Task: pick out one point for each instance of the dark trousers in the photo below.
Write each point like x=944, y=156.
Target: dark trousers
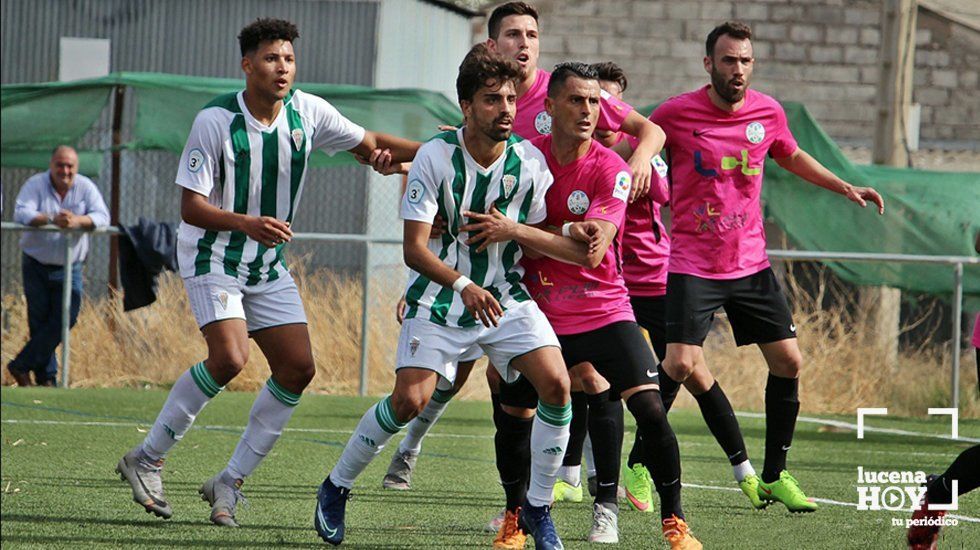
x=43, y=289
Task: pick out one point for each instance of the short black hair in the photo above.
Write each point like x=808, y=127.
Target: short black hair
x=563, y=71
x=263, y=29
x=506, y=10
x=735, y=29
x=609, y=71
x=482, y=67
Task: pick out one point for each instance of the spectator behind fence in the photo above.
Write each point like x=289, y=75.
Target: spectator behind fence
x=63, y=197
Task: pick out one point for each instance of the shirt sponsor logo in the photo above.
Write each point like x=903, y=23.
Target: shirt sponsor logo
x=195, y=160
x=727, y=164
x=659, y=165
x=578, y=202
x=755, y=132
x=415, y=191
x=542, y=123
x=622, y=189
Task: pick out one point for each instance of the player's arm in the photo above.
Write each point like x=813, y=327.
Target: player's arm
x=400, y=149
x=197, y=211
x=805, y=166
x=494, y=227
x=479, y=302
x=650, y=140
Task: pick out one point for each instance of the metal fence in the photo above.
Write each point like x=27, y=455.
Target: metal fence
x=957, y=263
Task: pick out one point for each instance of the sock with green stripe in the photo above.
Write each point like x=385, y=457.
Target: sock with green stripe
x=421, y=424
x=549, y=437
x=372, y=433
x=271, y=411
x=191, y=392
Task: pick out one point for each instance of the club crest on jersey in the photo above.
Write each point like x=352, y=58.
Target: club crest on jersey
x=622, y=189
x=297, y=135
x=755, y=132
x=542, y=123
x=508, y=182
x=413, y=346
x=578, y=202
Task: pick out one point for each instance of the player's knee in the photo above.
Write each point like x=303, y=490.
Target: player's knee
x=556, y=390
x=789, y=365
x=226, y=366
x=301, y=374
x=593, y=383
x=679, y=368
x=408, y=405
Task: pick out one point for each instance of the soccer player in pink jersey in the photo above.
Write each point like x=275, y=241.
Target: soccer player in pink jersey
x=646, y=248
x=587, y=301
x=717, y=139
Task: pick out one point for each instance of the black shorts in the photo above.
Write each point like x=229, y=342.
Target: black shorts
x=651, y=314
x=617, y=351
x=756, y=308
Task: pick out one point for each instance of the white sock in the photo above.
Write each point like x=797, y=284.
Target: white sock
x=191, y=392
x=421, y=424
x=271, y=411
x=742, y=470
x=549, y=438
x=373, y=431
x=571, y=475
x=589, y=457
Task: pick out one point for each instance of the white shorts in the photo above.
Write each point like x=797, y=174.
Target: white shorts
x=216, y=297
x=427, y=345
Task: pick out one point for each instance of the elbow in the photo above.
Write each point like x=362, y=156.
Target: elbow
x=411, y=258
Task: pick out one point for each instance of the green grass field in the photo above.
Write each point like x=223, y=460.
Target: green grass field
x=59, y=488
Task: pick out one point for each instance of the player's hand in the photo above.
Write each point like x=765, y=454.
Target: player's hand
x=642, y=171
x=439, y=227
x=492, y=227
x=481, y=305
x=862, y=195
x=400, y=309
x=380, y=161
x=587, y=231
x=267, y=230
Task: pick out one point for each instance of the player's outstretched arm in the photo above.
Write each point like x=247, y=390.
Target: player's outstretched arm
x=197, y=211
x=401, y=150
x=479, y=302
x=651, y=139
x=805, y=166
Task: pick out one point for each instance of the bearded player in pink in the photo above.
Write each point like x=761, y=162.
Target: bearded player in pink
x=587, y=301
x=717, y=139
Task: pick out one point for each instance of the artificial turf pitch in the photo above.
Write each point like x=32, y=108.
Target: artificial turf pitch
x=59, y=449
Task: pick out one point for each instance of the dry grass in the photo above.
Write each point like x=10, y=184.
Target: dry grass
x=153, y=346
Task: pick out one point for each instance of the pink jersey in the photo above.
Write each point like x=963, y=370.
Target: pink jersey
x=716, y=160
x=576, y=299
x=976, y=332
x=532, y=120
x=646, y=246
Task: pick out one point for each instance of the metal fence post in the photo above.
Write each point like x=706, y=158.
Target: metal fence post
x=365, y=322
x=957, y=329
x=66, y=312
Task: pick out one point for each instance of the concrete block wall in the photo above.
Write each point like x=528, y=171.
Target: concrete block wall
x=823, y=53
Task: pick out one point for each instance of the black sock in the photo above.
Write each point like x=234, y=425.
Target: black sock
x=513, y=447
x=636, y=453
x=577, y=430
x=965, y=469
x=606, y=430
x=668, y=387
x=720, y=418
x=782, y=408
x=662, y=456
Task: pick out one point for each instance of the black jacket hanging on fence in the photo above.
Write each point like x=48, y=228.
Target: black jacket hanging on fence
x=145, y=250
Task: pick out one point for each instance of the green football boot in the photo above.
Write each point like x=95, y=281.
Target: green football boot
x=565, y=491
x=786, y=490
x=750, y=486
x=639, y=488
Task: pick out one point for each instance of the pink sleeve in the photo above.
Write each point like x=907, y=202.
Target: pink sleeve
x=976, y=332
x=608, y=200
x=612, y=112
x=658, y=188
x=783, y=143
x=660, y=117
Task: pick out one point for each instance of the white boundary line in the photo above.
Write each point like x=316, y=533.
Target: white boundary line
x=854, y=427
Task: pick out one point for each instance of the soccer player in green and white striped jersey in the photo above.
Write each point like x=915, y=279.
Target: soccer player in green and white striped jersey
x=241, y=175
x=462, y=294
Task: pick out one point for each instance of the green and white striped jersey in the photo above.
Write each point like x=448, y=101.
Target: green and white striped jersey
x=246, y=167
x=445, y=180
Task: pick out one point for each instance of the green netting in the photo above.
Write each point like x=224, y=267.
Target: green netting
x=926, y=212
x=935, y=213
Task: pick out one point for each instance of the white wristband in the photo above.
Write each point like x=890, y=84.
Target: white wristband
x=566, y=230
x=461, y=283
